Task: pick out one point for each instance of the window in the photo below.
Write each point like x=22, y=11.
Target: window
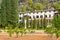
x=37, y=16
x=20, y=18
x=41, y=16
x=20, y=13
x=49, y=15
x=45, y=15
x=30, y=17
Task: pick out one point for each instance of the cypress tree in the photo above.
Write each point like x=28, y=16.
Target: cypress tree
x=13, y=13
x=9, y=12
x=0, y=17
x=3, y=13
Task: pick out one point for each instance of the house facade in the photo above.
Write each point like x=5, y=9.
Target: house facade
x=38, y=15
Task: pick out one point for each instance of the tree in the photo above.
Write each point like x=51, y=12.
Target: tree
x=56, y=24
x=38, y=6
x=3, y=13
x=41, y=23
x=31, y=22
x=23, y=9
x=27, y=23
x=0, y=17
x=29, y=9
x=9, y=12
x=16, y=30
x=22, y=23
x=56, y=19
x=38, y=24
x=56, y=6
x=50, y=31
x=45, y=2
x=23, y=19
x=12, y=12
x=10, y=31
x=30, y=2
x=0, y=3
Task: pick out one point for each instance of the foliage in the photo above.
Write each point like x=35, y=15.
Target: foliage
x=9, y=12
x=32, y=31
x=38, y=24
x=44, y=22
x=13, y=19
x=29, y=9
x=10, y=31
x=23, y=31
x=23, y=9
x=31, y=22
x=50, y=30
x=38, y=6
x=30, y=2
x=58, y=33
x=16, y=30
x=22, y=23
x=27, y=23
x=3, y=13
x=56, y=6
x=34, y=23
x=56, y=22
x=0, y=17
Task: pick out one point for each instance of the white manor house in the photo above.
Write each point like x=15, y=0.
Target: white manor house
x=49, y=15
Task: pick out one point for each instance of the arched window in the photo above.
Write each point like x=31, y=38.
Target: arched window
x=30, y=17
x=37, y=16
x=46, y=16
x=20, y=18
x=49, y=15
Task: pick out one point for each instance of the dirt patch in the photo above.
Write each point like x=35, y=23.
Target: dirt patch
x=28, y=37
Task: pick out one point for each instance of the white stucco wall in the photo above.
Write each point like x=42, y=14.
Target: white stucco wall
x=39, y=14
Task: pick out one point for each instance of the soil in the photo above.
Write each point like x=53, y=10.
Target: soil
x=5, y=36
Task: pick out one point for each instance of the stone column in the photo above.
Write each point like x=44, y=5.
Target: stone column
x=25, y=23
